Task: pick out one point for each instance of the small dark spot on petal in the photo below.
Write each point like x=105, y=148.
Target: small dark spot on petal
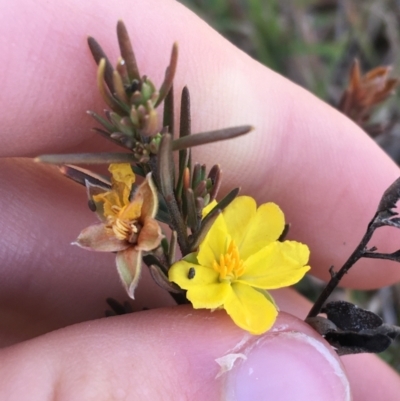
x=191, y=273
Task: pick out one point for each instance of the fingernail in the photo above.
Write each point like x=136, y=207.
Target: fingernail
x=286, y=366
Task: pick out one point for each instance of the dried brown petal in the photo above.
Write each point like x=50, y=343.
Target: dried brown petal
x=101, y=239
x=150, y=235
x=129, y=266
x=366, y=91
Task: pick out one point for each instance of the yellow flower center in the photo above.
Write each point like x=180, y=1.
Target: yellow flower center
x=230, y=266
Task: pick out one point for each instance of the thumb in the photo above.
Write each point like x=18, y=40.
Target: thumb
x=177, y=354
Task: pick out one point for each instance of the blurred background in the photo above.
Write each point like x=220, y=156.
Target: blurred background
x=315, y=43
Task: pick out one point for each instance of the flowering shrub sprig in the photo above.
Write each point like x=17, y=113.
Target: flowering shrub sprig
x=232, y=252
x=230, y=247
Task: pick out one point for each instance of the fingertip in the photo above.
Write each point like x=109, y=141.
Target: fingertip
x=174, y=352
x=288, y=362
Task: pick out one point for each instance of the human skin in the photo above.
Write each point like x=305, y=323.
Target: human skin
x=323, y=170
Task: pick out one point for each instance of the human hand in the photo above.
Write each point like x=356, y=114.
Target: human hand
x=303, y=155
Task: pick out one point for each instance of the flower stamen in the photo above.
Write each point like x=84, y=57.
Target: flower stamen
x=125, y=230
x=230, y=265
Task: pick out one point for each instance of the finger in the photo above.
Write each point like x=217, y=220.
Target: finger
x=303, y=155
x=171, y=354
x=365, y=372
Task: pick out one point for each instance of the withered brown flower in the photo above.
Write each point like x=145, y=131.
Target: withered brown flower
x=366, y=91
x=128, y=224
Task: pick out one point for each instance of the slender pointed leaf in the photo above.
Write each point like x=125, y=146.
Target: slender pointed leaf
x=215, y=175
x=81, y=176
x=106, y=94
x=165, y=173
x=172, y=247
x=196, y=178
x=209, y=137
x=169, y=75
x=184, y=130
x=204, y=228
x=98, y=54
x=191, y=209
x=127, y=51
x=119, y=87
x=86, y=158
x=168, y=114
x=162, y=280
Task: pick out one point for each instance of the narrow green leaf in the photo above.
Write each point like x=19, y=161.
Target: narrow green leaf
x=204, y=228
x=165, y=174
x=196, y=176
x=210, y=218
x=119, y=87
x=98, y=54
x=81, y=176
x=184, y=130
x=169, y=75
x=106, y=94
x=165, y=166
x=192, y=220
x=86, y=158
x=209, y=137
x=172, y=247
x=215, y=175
x=106, y=124
x=162, y=280
x=127, y=52
x=168, y=114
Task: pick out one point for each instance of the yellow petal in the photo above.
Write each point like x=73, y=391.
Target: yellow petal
x=109, y=199
x=202, y=285
x=133, y=210
x=265, y=227
x=250, y=309
x=210, y=296
x=121, y=184
x=122, y=180
x=93, y=190
x=279, y=264
x=215, y=243
x=129, y=266
x=122, y=172
x=179, y=274
x=217, y=239
x=208, y=208
x=238, y=215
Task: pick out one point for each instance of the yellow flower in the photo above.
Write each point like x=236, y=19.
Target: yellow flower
x=239, y=259
x=128, y=226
